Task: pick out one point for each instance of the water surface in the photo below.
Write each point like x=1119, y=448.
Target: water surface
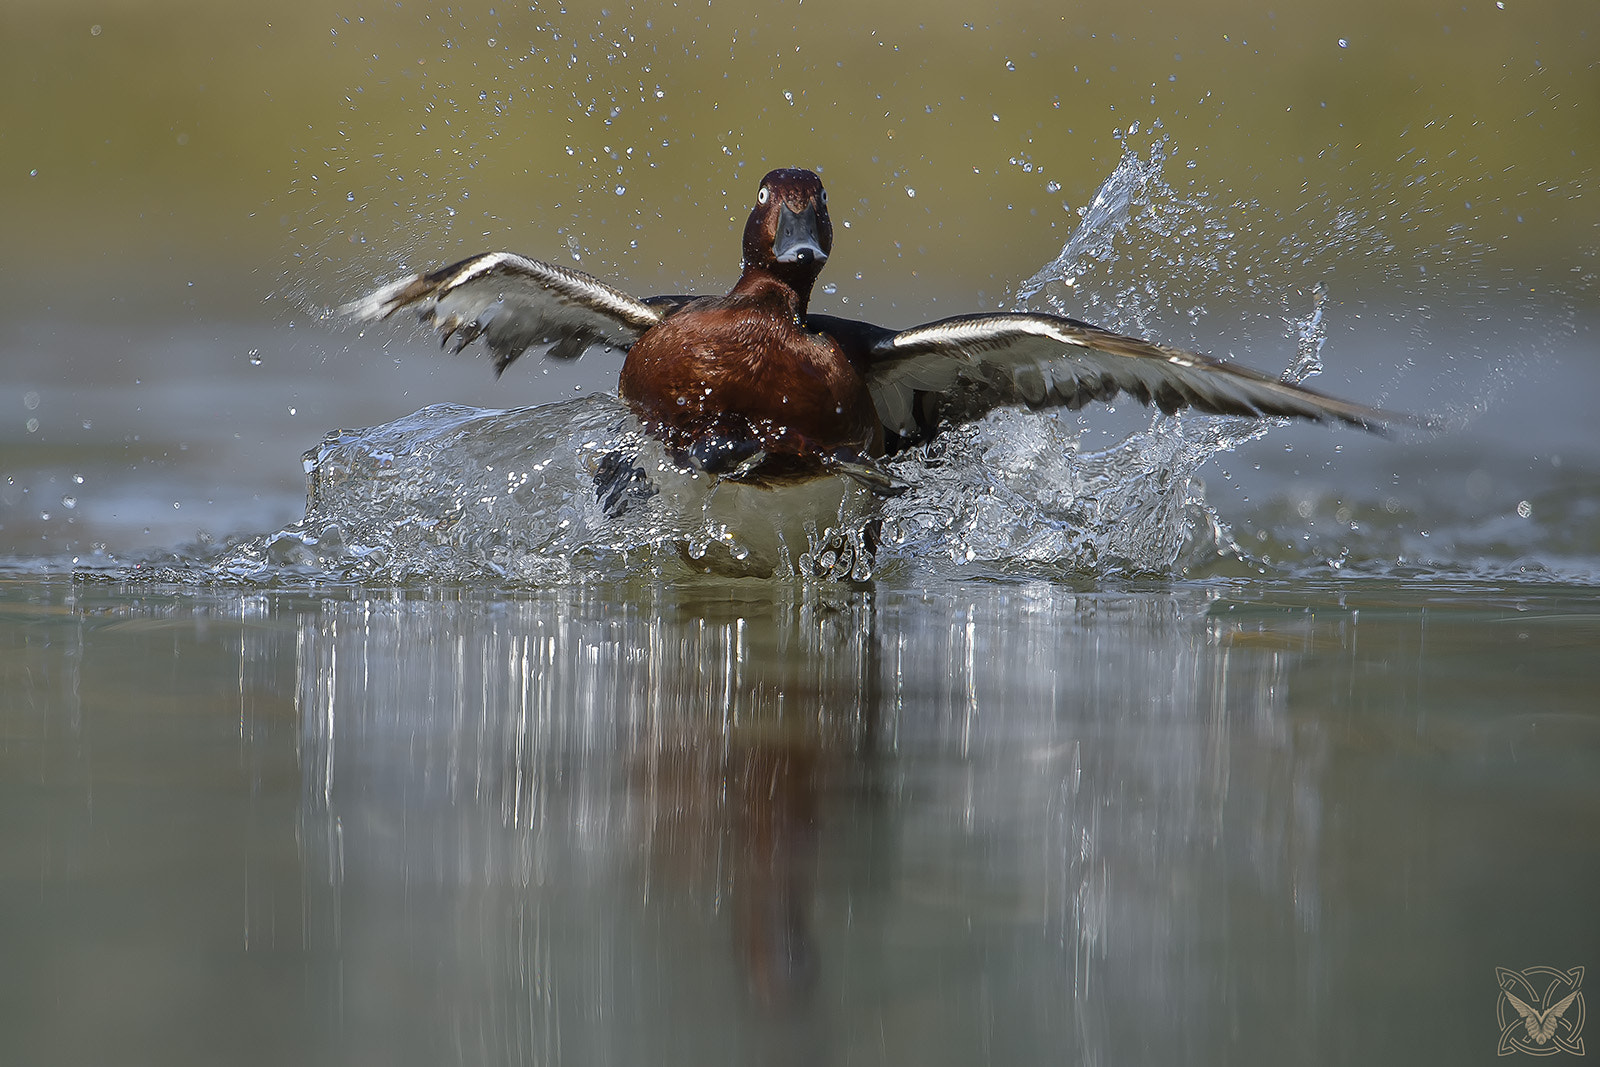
x=972, y=823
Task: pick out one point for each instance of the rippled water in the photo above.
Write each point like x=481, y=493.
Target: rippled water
x=964, y=823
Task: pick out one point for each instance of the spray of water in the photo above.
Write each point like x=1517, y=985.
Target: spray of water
x=575, y=491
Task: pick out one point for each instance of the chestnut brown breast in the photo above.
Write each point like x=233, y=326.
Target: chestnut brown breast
x=741, y=373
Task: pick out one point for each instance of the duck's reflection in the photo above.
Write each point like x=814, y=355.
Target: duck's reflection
x=558, y=764
x=742, y=827
x=746, y=715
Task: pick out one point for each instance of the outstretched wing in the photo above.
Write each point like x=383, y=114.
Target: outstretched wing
x=961, y=367
x=515, y=303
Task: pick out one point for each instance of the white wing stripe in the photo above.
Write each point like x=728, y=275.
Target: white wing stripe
x=968, y=364
x=515, y=303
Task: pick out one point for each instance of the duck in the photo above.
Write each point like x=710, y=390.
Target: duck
x=754, y=387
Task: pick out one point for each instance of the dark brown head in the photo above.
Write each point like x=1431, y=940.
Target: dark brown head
x=789, y=234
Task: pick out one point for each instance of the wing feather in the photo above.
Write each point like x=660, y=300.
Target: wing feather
x=961, y=367
x=515, y=303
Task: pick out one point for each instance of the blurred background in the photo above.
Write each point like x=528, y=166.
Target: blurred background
x=1104, y=821
x=191, y=187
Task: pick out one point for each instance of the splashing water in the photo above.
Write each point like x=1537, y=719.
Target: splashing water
x=576, y=491
x=1105, y=218
x=1015, y=488
x=557, y=493
x=448, y=492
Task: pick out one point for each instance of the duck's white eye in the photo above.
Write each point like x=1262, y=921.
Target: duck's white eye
x=763, y=196
x=824, y=196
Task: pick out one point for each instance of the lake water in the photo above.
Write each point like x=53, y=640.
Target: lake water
x=967, y=822
x=1315, y=782
x=1137, y=741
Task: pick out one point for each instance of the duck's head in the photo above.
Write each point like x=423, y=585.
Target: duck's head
x=789, y=234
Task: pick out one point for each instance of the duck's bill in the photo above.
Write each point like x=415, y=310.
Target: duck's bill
x=798, y=240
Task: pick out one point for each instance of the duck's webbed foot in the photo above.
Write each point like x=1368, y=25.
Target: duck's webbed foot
x=726, y=456
x=619, y=481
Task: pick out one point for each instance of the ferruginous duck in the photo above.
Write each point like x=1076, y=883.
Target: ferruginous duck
x=755, y=388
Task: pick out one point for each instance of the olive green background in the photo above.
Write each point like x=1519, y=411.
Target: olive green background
x=213, y=155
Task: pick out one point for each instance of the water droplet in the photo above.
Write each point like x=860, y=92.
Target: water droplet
x=30, y=400
x=910, y=191
x=1343, y=43
x=255, y=357
x=1010, y=65
x=69, y=502
x=621, y=189
x=1524, y=509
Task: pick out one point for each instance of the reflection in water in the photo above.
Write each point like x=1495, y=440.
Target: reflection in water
x=727, y=824
x=592, y=782
x=878, y=827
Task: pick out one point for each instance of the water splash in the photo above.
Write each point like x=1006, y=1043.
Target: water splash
x=1017, y=489
x=1134, y=184
x=558, y=493
x=576, y=491
x=448, y=492
x=1014, y=489
x=462, y=494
